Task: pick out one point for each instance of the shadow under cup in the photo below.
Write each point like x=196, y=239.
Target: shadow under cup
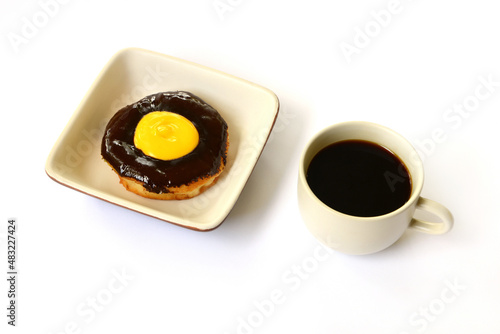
x=353, y=234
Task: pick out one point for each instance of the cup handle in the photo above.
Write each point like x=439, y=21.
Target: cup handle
x=432, y=227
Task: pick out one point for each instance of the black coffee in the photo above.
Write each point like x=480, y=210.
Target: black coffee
x=359, y=178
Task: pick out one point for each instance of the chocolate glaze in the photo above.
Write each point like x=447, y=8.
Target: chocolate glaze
x=128, y=161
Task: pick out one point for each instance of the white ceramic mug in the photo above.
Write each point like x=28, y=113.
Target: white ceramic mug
x=365, y=235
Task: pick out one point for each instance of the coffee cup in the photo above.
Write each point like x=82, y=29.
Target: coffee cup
x=364, y=230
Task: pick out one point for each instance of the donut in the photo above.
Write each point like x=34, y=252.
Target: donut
x=168, y=145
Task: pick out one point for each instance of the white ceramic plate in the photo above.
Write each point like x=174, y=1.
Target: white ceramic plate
x=249, y=110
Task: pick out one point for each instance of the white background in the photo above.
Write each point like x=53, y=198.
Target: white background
x=86, y=266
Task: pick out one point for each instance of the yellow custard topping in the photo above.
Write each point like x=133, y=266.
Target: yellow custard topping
x=165, y=135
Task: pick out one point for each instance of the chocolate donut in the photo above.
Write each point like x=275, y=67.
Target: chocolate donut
x=178, y=178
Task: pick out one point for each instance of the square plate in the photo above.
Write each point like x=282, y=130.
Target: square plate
x=249, y=110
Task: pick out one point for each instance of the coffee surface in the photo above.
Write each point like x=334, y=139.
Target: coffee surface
x=359, y=178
